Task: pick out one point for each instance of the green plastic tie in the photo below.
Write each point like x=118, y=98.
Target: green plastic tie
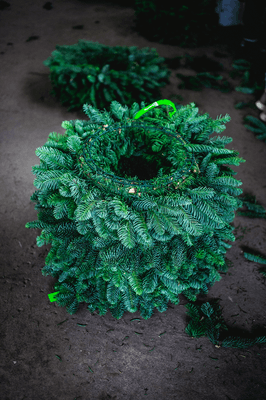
x=52, y=296
x=156, y=104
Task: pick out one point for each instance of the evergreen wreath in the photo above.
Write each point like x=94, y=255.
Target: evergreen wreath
x=98, y=74
x=137, y=211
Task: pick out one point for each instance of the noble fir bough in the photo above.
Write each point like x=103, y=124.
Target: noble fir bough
x=98, y=74
x=137, y=210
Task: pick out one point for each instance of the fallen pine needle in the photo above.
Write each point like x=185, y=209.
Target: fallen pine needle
x=60, y=323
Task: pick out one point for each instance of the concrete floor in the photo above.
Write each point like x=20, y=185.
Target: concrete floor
x=146, y=366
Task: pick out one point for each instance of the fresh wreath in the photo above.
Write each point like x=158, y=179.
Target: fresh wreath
x=98, y=74
x=137, y=205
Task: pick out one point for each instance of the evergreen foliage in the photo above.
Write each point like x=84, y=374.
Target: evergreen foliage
x=98, y=74
x=206, y=320
x=136, y=211
x=185, y=23
x=208, y=76
x=257, y=259
x=256, y=126
x=202, y=63
x=242, y=68
x=253, y=210
x=204, y=79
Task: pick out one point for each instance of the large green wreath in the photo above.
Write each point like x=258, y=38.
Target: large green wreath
x=137, y=211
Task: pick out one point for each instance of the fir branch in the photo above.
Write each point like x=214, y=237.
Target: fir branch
x=254, y=210
x=255, y=258
x=126, y=235
x=260, y=127
x=206, y=320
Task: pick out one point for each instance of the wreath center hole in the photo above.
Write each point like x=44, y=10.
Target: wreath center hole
x=143, y=161
x=137, y=166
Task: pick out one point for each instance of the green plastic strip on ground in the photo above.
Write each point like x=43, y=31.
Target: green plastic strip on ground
x=52, y=296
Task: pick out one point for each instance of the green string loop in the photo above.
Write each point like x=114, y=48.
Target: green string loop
x=156, y=104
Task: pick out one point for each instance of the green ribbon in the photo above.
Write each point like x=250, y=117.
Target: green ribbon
x=156, y=104
x=52, y=296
